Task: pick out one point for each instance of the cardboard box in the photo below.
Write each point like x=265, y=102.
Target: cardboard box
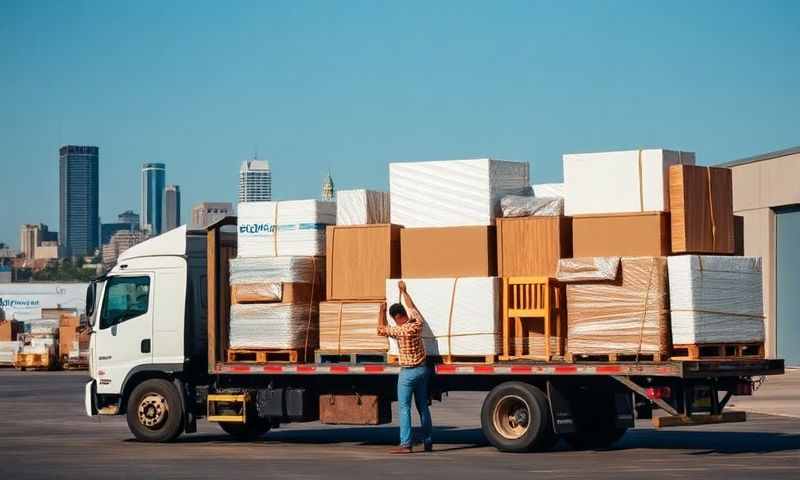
x=449, y=252
x=351, y=326
x=276, y=292
x=631, y=235
x=66, y=338
x=701, y=209
x=628, y=315
x=619, y=182
x=532, y=246
x=359, y=260
x=9, y=329
x=69, y=320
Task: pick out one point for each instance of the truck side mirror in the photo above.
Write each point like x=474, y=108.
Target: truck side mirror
x=91, y=296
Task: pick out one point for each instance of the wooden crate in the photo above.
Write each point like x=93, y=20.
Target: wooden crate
x=526, y=302
x=266, y=356
x=705, y=351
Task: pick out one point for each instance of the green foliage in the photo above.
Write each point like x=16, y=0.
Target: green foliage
x=66, y=271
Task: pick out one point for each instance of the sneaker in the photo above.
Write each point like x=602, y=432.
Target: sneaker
x=401, y=450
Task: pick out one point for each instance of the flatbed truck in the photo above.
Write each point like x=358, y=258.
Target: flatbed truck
x=158, y=356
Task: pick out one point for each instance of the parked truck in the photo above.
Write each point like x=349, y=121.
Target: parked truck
x=158, y=347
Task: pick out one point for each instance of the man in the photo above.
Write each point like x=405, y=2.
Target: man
x=414, y=372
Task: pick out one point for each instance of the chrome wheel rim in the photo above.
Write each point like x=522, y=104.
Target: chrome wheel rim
x=153, y=410
x=511, y=417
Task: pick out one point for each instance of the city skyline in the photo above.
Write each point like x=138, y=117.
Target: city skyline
x=542, y=82
x=255, y=181
x=78, y=186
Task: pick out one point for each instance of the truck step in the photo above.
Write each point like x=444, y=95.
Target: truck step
x=707, y=351
x=350, y=357
x=266, y=356
x=614, y=357
x=227, y=407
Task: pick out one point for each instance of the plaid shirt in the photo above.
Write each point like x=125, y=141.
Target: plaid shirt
x=409, y=339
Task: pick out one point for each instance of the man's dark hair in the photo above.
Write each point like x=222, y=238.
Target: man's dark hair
x=397, y=309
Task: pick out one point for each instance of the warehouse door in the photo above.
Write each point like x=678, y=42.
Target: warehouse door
x=788, y=283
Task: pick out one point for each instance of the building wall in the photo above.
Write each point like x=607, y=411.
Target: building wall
x=758, y=188
x=172, y=208
x=153, y=178
x=78, y=199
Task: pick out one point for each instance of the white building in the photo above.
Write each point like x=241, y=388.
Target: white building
x=206, y=213
x=255, y=181
x=120, y=241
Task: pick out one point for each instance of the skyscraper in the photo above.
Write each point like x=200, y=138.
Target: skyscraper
x=328, y=189
x=172, y=207
x=206, y=213
x=78, y=220
x=33, y=236
x=255, y=181
x=152, y=197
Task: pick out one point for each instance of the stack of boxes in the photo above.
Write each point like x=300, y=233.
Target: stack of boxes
x=278, y=276
x=73, y=341
x=38, y=344
x=9, y=346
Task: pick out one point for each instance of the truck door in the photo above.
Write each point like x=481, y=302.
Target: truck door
x=124, y=331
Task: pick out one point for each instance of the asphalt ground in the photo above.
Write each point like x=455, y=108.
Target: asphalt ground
x=45, y=434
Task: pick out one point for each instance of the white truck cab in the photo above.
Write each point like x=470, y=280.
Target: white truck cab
x=148, y=319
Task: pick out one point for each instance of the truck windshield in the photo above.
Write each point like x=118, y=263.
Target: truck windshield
x=125, y=298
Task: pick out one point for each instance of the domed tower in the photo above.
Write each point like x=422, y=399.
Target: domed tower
x=328, y=190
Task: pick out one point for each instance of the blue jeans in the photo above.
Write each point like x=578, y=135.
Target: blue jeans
x=414, y=381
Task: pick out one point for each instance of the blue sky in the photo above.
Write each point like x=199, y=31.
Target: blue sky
x=351, y=86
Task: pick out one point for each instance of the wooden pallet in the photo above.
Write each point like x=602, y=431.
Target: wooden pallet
x=365, y=356
x=34, y=361
x=450, y=359
x=706, y=351
x=266, y=356
x=614, y=357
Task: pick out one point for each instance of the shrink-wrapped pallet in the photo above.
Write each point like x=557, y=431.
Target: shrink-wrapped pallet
x=361, y=207
x=290, y=228
x=548, y=190
x=619, y=182
x=274, y=326
x=526, y=206
x=351, y=326
x=627, y=315
x=716, y=299
x=276, y=279
x=588, y=269
x=452, y=193
x=7, y=351
x=461, y=314
x=42, y=327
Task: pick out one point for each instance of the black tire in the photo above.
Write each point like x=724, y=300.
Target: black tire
x=155, y=412
x=515, y=417
x=587, y=440
x=595, y=419
x=254, y=429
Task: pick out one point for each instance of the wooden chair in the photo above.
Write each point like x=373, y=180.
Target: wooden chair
x=531, y=299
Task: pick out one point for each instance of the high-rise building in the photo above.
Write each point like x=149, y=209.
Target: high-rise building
x=127, y=220
x=128, y=216
x=78, y=219
x=153, y=175
x=120, y=241
x=328, y=189
x=206, y=213
x=255, y=181
x=172, y=208
x=33, y=236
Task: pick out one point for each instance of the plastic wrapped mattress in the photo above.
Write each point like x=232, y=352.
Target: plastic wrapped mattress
x=716, y=299
x=361, y=207
x=274, y=326
x=523, y=206
x=263, y=278
x=290, y=228
x=461, y=315
x=452, y=193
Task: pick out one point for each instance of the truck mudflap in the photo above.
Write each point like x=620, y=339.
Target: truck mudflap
x=90, y=399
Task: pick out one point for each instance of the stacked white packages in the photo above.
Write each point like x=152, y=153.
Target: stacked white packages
x=290, y=228
x=473, y=325
x=274, y=326
x=7, y=351
x=619, y=182
x=276, y=270
x=453, y=193
x=548, y=190
x=42, y=327
x=361, y=207
x=715, y=299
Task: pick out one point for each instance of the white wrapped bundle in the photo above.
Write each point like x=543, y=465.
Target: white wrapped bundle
x=276, y=270
x=42, y=327
x=619, y=182
x=291, y=228
x=40, y=345
x=716, y=299
x=472, y=327
x=274, y=326
x=361, y=207
x=77, y=354
x=585, y=269
x=548, y=190
x=452, y=193
x=522, y=206
x=7, y=351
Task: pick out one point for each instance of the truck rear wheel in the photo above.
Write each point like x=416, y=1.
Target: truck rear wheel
x=254, y=429
x=515, y=417
x=154, y=411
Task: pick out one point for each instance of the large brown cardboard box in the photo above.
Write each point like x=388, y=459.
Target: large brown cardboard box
x=69, y=320
x=359, y=259
x=701, y=209
x=449, y=252
x=66, y=337
x=265, y=292
x=9, y=329
x=621, y=235
x=627, y=315
x=532, y=246
x=351, y=326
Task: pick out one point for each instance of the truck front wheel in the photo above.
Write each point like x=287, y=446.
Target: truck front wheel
x=154, y=411
x=515, y=417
